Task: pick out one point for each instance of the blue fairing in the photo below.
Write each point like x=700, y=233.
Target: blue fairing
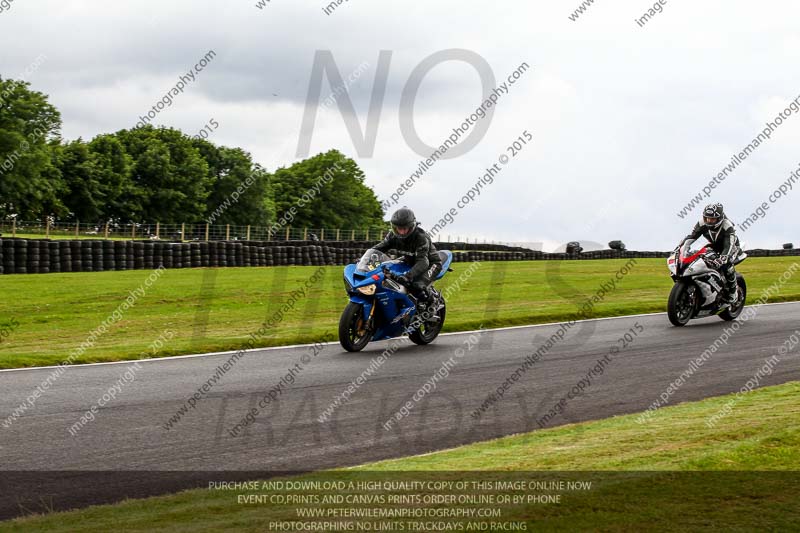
x=392, y=305
x=447, y=258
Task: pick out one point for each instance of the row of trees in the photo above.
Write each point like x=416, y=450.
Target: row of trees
x=152, y=174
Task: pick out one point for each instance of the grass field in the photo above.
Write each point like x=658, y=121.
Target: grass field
x=216, y=309
x=672, y=474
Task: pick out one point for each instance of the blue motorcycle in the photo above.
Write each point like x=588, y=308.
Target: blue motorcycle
x=381, y=308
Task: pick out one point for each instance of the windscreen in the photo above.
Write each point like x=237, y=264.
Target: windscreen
x=371, y=260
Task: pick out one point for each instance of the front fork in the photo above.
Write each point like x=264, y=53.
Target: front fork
x=367, y=324
x=368, y=307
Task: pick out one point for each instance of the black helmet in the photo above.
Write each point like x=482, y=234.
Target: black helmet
x=403, y=222
x=713, y=215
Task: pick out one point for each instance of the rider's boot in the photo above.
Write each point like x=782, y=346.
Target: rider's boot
x=731, y=289
x=423, y=299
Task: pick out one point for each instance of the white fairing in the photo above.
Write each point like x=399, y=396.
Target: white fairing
x=709, y=293
x=698, y=267
x=708, y=289
x=740, y=256
x=672, y=263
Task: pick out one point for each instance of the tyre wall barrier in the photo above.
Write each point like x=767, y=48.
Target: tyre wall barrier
x=41, y=256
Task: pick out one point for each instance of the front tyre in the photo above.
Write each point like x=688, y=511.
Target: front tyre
x=354, y=332
x=682, y=302
x=429, y=329
x=733, y=312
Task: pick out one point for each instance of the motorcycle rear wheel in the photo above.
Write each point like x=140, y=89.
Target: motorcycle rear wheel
x=682, y=303
x=429, y=330
x=350, y=324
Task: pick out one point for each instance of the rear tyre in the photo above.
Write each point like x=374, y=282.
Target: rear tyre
x=429, y=329
x=733, y=312
x=354, y=332
x=682, y=303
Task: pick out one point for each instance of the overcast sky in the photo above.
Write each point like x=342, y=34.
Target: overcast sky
x=629, y=122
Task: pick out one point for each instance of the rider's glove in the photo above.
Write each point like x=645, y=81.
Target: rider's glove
x=723, y=260
x=403, y=279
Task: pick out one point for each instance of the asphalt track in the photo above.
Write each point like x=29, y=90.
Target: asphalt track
x=127, y=452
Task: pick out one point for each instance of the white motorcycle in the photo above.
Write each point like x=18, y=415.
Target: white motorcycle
x=700, y=287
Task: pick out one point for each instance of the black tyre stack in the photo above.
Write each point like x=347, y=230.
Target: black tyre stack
x=55, y=256
x=186, y=254
x=238, y=248
x=87, y=265
x=8, y=256
x=129, y=256
x=213, y=254
x=158, y=255
x=75, y=255
x=222, y=256
x=119, y=252
x=137, y=251
x=195, y=255
x=247, y=252
x=177, y=254
x=204, y=254
x=65, y=253
x=21, y=256
x=109, y=259
x=174, y=253
x=148, y=250
x=44, y=258
x=32, y=266
x=97, y=256
x=167, y=255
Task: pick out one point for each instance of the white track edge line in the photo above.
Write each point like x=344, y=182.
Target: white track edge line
x=231, y=352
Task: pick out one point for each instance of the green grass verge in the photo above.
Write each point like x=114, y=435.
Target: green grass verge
x=57, y=312
x=681, y=476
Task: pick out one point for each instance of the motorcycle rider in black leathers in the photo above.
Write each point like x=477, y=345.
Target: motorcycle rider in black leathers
x=721, y=233
x=408, y=238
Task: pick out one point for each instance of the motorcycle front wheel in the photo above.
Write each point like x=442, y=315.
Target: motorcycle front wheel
x=354, y=332
x=682, y=303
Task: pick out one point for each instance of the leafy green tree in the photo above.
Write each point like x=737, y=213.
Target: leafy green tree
x=161, y=175
x=328, y=191
x=97, y=179
x=269, y=192
x=83, y=196
x=170, y=177
x=239, y=189
x=30, y=184
x=114, y=167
